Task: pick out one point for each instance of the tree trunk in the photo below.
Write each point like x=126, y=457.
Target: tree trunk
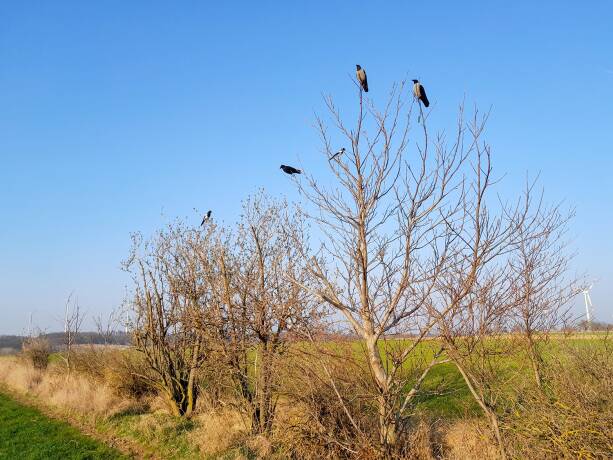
x=191, y=393
x=535, y=360
x=387, y=427
x=172, y=403
x=262, y=413
x=191, y=382
x=387, y=420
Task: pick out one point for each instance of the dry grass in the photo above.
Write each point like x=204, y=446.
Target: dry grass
x=75, y=393
x=421, y=440
x=218, y=431
x=468, y=440
x=19, y=375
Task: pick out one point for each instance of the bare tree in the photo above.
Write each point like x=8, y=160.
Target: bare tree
x=107, y=326
x=408, y=235
x=255, y=305
x=170, y=302
x=513, y=262
x=542, y=285
x=384, y=235
x=73, y=319
x=474, y=336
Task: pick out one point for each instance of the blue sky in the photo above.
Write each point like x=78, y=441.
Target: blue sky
x=119, y=116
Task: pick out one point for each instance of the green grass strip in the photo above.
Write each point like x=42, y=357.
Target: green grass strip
x=26, y=433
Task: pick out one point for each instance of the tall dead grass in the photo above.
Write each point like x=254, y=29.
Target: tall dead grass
x=219, y=430
x=19, y=375
x=468, y=440
x=74, y=392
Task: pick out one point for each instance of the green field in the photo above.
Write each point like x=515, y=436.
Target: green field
x=25, y=433
x=444, y=393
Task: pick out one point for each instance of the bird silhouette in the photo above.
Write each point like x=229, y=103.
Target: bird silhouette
x=340, y=152
x=361, y=74
x=290, y=170
x=420, y=93
x=206, y=217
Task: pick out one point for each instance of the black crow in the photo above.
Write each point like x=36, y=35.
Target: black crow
x=420, y=93
x=206, y=217
x=340, y=152
x=290, y=170
x=361, y=74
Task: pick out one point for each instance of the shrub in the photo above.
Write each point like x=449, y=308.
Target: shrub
x=327, y=414
x=573, y=416
x=37, y=350
x=122, y=370
x=128, y=374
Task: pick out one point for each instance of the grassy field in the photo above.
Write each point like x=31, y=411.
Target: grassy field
x=146, y=429
x=25, y=433
x=444, y=393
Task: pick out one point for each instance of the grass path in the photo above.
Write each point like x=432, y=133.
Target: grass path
x=26, y=433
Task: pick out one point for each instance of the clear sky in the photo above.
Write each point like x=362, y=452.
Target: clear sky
x=118, y=116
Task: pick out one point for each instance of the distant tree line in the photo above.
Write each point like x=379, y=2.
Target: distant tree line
x=57, y=339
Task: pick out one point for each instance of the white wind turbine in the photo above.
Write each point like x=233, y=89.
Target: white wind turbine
x=589, y=307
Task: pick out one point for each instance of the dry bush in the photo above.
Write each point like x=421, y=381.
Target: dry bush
x=168, y=305
x=573, y=416
x=37, y=351
x=90, y=362
x=328, y=413
x=126, y=376
x=252, y=309
x=123, y=371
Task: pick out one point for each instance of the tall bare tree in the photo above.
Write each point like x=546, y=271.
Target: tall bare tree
x=408, y=233
x=513, y=262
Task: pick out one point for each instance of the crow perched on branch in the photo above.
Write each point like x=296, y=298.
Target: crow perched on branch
x=361, y=74
x=420, y=93
x=290, y=170
x=340, y=152
x=206, y=217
